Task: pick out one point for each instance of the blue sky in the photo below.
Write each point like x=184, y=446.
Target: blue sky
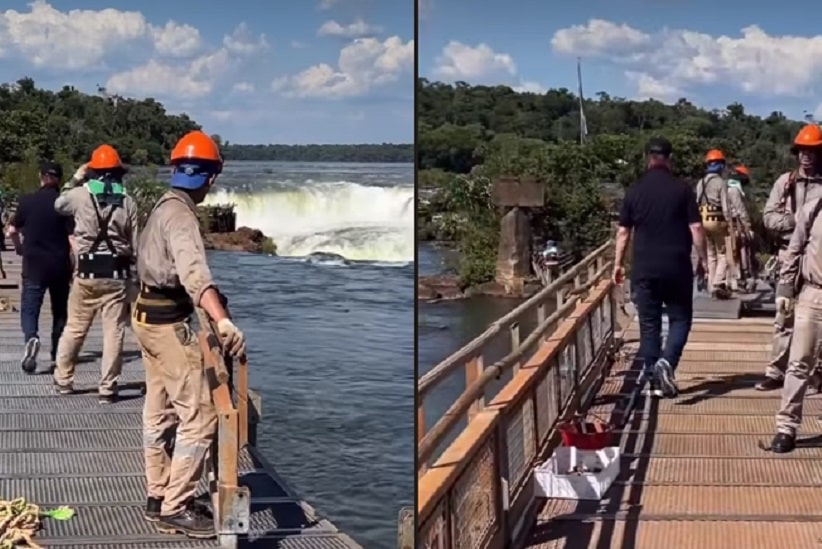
x=713, y=53
x=297, y=71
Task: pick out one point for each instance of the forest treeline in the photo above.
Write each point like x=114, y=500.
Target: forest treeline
x=379, y=152
x=470, y=135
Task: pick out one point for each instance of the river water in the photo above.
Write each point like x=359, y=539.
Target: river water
x=446, y=326
x=330, y=328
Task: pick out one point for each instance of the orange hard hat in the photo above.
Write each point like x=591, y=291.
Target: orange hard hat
x=196, y=145
x=105, y=157
x=743, y=170
x=809, y=136
x=714, y=155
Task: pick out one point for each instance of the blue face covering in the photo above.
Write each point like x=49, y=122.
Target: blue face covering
x=715, y=167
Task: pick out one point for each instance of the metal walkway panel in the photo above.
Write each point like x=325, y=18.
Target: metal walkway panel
x=70, y=450
x=705, y=307
x=693, y=473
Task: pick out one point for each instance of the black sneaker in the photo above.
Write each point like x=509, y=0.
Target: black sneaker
x=153, y=505
x=107, y=399
x=783, y=443
x=29, y=361
x=665, y=374
x=189, y=523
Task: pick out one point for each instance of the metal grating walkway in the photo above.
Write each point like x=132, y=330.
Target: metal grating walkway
x=693, y=475
x=70, y=450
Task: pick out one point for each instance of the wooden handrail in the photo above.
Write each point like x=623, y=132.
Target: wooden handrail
x=457, y=410
x=472, y=356
x=480, y=464
x=441, y=370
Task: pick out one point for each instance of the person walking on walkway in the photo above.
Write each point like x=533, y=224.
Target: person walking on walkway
x=47, y=264
x=174, y=281
x=799, y=294
x=712, y=197
x=660, y=214
x=105, y=240
x=788, y=195
x=743, y=236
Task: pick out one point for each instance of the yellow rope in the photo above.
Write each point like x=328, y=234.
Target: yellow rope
x=19, y=521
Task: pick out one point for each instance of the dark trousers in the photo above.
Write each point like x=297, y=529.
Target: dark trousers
x=32, y=300
x=649, y=295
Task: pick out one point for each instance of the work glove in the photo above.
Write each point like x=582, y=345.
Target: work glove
x=784, y=305
x=233, y=338
x=80, y=174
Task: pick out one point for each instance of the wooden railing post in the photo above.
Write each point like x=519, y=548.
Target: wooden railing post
x=515, y=343
x=241, y=389
x=230, y=501
x=473, y=371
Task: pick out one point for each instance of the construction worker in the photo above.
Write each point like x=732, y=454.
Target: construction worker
x=712, y=198
x=174, y=281
x=105, y=241
x=788, y=194
x=801, y=271
x=743, y=230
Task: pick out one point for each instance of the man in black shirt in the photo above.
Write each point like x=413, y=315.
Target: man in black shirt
x=661, y=214
x=47, y=264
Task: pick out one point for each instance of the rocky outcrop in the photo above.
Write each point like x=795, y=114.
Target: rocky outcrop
x=244, y=239
x=447, y=287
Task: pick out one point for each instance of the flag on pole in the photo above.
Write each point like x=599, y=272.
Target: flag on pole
x=583, y=123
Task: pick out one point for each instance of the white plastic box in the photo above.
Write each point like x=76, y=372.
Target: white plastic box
x=552, y=479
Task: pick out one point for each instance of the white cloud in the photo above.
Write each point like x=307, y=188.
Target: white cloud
x=668, y=62
x=327, y=4
x=481, y=65
x=175, y=40
x=243, y=87
x=195, y=79
x=85, y=39
x=363, y=64
x=357, y=29
x=243, y=42
x=459, y=61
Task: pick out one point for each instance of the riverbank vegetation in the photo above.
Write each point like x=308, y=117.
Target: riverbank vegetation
x=66, y=125
x=383, y=153
x=470, y=135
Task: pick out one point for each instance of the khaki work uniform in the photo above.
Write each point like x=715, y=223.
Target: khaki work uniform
x=742, y=224
x=712, y=191
x=173, y=275
x=802, y=270
x=779, y=217
x=105, y=240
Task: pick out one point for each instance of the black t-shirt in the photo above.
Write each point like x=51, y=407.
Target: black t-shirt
x=659, y=208
x=46, y=249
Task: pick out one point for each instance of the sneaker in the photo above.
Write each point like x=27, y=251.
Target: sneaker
x=665, y=375
x=107, y=399
x=654, y=389
x=29, y=362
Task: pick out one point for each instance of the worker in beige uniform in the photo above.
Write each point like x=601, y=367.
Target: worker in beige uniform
x=799, y=293
x=790, y=191
x=712, y=198
x=174, y=281
x=743, y=230
x=105, y=241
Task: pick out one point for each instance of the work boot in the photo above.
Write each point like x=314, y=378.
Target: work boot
x=107, y=399
x=721, y=292
x=29, y=361
x=189, y=523
x=67, y=389
x=664, y=373
x=769, y=384
x=783, y=443
x=153, y=506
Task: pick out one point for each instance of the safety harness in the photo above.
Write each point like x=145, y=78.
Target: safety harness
x=167, y=305
x=713, y=218
x=99, y=264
